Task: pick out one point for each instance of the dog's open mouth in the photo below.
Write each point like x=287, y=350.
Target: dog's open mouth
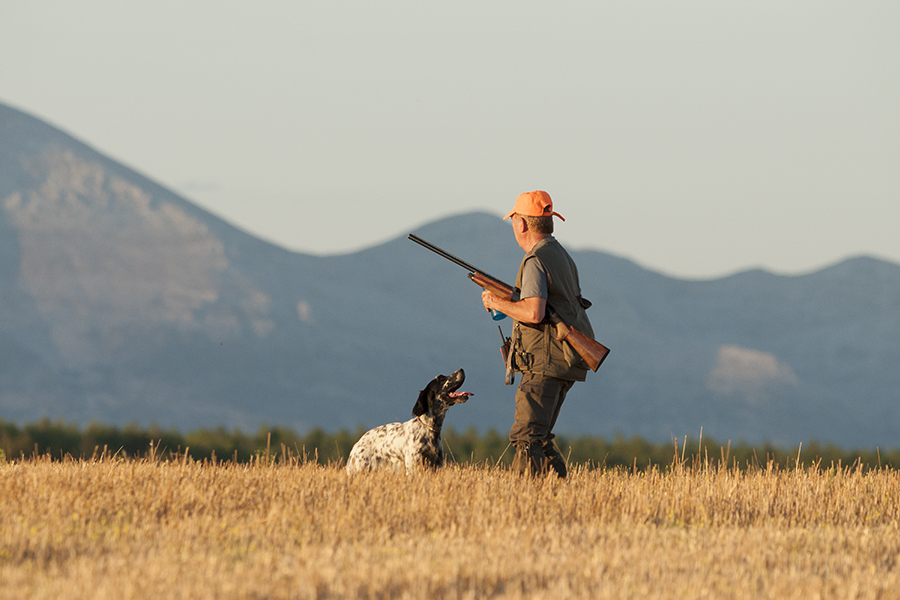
x=452, y=384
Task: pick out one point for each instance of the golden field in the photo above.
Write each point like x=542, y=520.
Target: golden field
x=149, y=528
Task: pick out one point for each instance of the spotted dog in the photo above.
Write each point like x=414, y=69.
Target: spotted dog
x=415, y=442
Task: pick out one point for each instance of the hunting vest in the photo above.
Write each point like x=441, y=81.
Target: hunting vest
x=535, y=347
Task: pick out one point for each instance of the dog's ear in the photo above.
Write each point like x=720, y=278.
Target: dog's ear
x=426, y=396
x=421, y=406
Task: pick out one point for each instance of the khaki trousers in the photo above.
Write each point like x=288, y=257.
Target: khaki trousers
x=538, y=402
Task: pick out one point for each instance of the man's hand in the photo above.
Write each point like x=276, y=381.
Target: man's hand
x=489, y=300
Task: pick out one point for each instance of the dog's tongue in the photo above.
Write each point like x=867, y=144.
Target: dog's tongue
x=460, y=394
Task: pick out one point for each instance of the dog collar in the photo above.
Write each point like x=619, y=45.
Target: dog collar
x=425, y=425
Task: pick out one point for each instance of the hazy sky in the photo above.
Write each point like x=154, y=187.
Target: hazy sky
x=697, y=138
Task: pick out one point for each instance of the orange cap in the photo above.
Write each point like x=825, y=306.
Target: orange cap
x=533, y=204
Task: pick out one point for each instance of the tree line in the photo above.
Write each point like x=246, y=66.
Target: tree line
x=60, y=440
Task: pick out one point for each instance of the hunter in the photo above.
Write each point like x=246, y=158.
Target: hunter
x=549, y=367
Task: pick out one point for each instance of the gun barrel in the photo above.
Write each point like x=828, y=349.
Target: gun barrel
x=443, y=253
x=475, y=274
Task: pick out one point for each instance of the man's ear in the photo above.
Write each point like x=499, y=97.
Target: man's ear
x=519, y=224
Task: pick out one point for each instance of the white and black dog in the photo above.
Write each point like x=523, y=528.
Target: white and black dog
x=416, y=442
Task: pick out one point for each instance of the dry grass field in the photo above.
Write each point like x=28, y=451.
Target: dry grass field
x=150, y=528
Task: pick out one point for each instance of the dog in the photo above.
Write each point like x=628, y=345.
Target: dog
x=414, y=443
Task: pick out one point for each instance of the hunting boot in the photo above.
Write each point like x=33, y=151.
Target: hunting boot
x=555, y=459
x=520, y=460
x=530, y=460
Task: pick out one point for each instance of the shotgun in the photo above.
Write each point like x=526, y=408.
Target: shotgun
x=592, y=351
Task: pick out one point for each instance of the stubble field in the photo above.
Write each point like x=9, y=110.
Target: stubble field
x=148, y=528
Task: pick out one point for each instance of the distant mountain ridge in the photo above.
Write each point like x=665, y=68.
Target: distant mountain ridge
x=121, y=301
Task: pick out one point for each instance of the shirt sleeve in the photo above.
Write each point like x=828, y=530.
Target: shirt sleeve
x=534, y=279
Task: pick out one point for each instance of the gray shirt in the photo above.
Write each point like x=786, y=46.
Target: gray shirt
x=534, y=276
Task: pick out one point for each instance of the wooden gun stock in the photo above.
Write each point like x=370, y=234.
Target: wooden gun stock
x=497, y=288
x=590, y=350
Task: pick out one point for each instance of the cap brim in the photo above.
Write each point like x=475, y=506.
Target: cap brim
x=561, y=218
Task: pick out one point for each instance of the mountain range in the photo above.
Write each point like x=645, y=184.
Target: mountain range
x=121, y=301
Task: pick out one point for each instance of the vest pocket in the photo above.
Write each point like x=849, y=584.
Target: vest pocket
x=524, y=361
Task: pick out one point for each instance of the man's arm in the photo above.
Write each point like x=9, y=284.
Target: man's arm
x=527, y=310
x=533, y=303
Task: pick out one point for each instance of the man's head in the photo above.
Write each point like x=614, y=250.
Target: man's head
x=536, y=209
x=532, y=218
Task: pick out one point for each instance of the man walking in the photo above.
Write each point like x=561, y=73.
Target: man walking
x=549, y=367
